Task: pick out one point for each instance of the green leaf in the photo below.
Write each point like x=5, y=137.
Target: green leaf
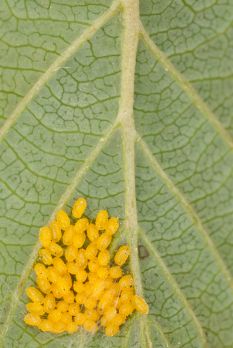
x=131, y=107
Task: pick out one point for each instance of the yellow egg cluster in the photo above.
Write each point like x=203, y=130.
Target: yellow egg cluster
x=77, y=283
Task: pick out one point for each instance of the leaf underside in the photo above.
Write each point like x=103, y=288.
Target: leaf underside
x=61, y=139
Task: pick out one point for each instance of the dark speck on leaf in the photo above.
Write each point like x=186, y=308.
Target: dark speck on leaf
x=142, y=251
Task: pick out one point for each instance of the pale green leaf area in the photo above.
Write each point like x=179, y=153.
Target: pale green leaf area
x=130, y=105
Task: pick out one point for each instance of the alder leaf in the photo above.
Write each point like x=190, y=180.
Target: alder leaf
x=129, y=105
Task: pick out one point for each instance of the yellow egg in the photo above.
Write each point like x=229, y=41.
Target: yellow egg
x=140, y=304
x=66, y=318
x=69, y=297
x=59, y=327
x=55, y=249
x=32, y=319
x=90, y=303
x=46, y=256
x=126, y=295
x=112, y=225
x=56, y=231
x=93, y=278
x=102, y=272
x=46, y=325
x=55, y=315
x=105, y=302
x=79, y=207
x=79, y=318
x=114, y=290
x=43, y=285
x=81, y=258
x=72, y=267
x=126, y=309
x=93, y=265
x=78, y=240
x=111, y=330
x=53, y=275
x=63, y=219
x=92, y=314
x=62, y=306
x=35, y=307
x=115, y=272
x=91, y=251
x=81, y=225
x=68, y=234
x=59, y=265
x=109, y=313
x=90, y=325
x=81, y=275
x=45, y=236
x=71, y=253
x=80, y=298
x=122, y=255
x=126, y=281
x=98, y=288
x=74, y=309
x=104, y=257
x=101, y=219
x=63, y=286
x=103, y=241
x=40, y=270
x=79, y=287
x=56, y=292
x=68, y=279
x=89, y=287
x=92, y=232
x=49, y=302
x=118, y=320
x=34, y=294
x=71, y=327
x=109, y=283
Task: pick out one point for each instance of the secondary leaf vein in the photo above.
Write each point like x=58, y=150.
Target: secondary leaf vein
x=187, y=87
x=64, y=198
x=57, y=64
x=188, y=208
x=171, y=280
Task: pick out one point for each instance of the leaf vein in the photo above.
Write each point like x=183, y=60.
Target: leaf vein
x=186, y=87
x=188, y=208
x=171, y=280
x=75, y=45
x=64, y=198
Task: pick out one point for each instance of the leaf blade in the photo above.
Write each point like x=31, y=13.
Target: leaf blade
x=82, y=136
